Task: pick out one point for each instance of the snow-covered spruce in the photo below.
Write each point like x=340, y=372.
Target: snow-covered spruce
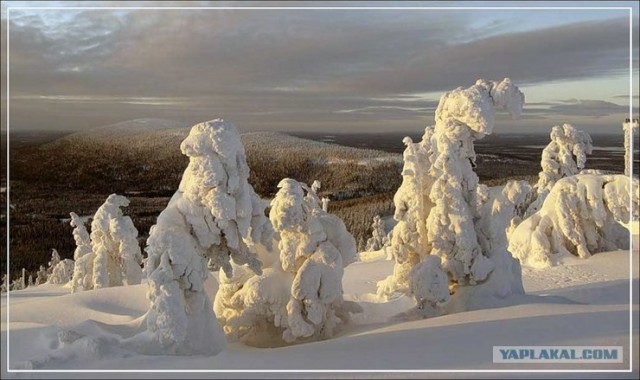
x=41, y=276
x=83, y=256
x=378, y=239
x=213, y=218
x=115, y=246
x=59, y=271
x=55, y=259
x=5, y=284
x=631, y=131
x=299, y=295
x=62, y=272
x=580, y=216
x=437, y=205
x=564, y=156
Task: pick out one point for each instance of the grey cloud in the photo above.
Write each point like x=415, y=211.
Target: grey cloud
x=292, y=70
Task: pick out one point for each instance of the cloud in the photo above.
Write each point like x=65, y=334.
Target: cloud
x=286, y=70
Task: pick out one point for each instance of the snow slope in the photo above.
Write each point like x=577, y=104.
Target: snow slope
x=581, y=302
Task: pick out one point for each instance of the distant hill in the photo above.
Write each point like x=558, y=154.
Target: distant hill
x=162, y=134
x=144, y=154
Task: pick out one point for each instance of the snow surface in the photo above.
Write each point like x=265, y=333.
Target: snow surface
x=582, y=302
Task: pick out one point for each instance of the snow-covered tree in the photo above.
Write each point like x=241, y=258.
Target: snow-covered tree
x=378, y=239
x=62, y=272
x=83, y=256
x=412, y=206
x=438, y=206
x=30, y=283
x=20, y=282
x=41, y=276
x=16, y=284
x=81, y=237
x=564, y=156
x=631, y=130
x=580, y=216
x=325, y=204
x=5, y=284
x=214, y=218
x=55, y=259
x=114, y=243
x=299, y=295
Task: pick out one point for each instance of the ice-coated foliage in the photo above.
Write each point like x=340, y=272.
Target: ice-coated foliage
x=114, y=244
x=83, y=256
x=5, y=284
x=378, y=238
x=62, y=272
x=580, y=216
x=325, y=204
x=564, y=156
x=55, y=259
x=214, y=218
x=41, y=276
x=631, y=131
x=438, y=206
x=19, y=283
x=299, y=295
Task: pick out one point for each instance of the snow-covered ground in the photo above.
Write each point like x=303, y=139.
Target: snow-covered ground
x=580, y=302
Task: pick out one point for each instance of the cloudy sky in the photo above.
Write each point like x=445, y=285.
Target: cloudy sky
x=320, y=70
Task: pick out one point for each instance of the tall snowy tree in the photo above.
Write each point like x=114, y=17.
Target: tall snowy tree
x=214, y=218
x=437, y=203
x=114, y=243
x=83, y=256
x=299, y=295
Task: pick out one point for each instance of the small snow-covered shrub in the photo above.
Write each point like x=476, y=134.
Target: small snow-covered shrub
x=55, y=259
x=5, y=284
x=378, y=239
x=580, y=216
x=62, y=272
x=41, y=276
x=299, y=295
x=214, y=218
